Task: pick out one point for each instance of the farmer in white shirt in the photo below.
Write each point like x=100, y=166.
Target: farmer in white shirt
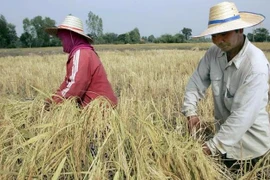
x=238, y=73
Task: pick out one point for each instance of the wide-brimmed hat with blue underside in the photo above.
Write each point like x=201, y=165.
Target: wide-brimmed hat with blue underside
x=225, y=17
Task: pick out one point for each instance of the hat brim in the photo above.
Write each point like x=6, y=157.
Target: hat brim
x=53, y=31
x=247, y=19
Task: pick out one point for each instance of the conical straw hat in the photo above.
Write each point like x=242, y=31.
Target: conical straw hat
x=71, y=23
x=225, y=17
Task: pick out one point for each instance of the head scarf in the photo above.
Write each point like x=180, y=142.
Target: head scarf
x=72, y=41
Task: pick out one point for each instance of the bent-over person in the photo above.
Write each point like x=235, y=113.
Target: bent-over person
x=238, y=73
x=86, y=78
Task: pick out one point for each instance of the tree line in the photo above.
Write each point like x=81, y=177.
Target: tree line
x=34, y=35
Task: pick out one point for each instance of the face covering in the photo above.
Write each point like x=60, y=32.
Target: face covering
x=72, y=41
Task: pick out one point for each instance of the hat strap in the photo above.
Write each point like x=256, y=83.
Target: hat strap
x=224, y=20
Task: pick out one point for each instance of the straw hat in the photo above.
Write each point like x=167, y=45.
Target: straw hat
x=71, y=23
x=225, y=17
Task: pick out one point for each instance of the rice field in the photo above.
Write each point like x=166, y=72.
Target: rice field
x=145, y=137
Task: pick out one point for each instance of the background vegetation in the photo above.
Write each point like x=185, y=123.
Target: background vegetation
x=145, y=137
x=35, y=36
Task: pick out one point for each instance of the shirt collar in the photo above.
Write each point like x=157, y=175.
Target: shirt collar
x=239, y=57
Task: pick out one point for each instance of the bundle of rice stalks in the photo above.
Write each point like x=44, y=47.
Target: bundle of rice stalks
x=96, y=143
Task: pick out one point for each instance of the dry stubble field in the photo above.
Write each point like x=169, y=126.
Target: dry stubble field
x=145, y=137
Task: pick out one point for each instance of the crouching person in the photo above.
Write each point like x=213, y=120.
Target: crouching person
x=238, y=73
x=85, y=78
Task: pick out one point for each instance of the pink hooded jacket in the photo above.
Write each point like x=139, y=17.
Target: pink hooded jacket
x=85, y=77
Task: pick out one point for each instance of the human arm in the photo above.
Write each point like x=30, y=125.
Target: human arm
x=248, y=101
x=195, y=91
x=55, y=98
x=78, y=78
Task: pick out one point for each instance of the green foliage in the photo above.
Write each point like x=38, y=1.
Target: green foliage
x=135, y=36
x=250, y=36
x=94, y=25
x=26, y=39
x=144, y=38
x=34, y=32
x=28, y=35
x=123, y=38
x=168, y=38
x=12, y=36
x=187, y=33
x=179, y=38
x=151, y=38
x=8, y=35
x=35, y=36
x=110, y=38
x=259, y=35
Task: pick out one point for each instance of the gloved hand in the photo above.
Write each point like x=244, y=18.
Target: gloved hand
x=47, y=104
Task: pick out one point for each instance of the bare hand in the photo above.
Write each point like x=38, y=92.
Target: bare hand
x=194, y=123
x=206, y=150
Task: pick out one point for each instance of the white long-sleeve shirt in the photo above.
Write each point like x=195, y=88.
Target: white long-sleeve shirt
x=240, y=92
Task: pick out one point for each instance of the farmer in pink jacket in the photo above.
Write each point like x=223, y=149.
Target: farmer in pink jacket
x=85, y=78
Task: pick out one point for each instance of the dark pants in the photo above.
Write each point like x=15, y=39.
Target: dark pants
x=240, y=165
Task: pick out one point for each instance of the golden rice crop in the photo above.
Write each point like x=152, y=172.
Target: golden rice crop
x=145, y=137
